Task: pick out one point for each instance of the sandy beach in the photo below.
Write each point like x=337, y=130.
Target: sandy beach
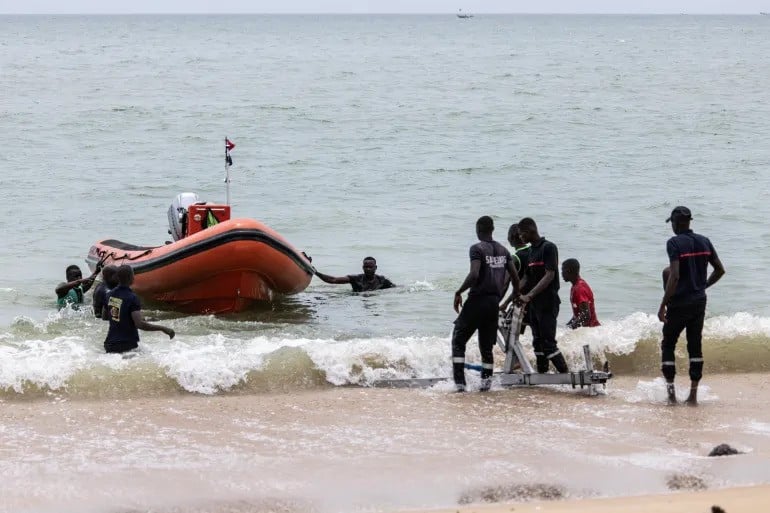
x=753, y=499
x=362, y=449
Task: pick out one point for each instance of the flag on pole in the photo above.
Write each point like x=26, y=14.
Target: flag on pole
x=229, y=145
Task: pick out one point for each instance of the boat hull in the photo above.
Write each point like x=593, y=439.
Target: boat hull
x=224, y=268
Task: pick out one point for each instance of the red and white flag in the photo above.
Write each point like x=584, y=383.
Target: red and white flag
x=229, y=145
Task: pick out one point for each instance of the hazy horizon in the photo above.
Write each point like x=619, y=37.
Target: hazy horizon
x=715, y=7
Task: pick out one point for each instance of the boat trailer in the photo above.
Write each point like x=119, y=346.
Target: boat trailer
x=517, y=371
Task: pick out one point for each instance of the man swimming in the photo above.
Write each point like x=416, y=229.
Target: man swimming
x=361, y=282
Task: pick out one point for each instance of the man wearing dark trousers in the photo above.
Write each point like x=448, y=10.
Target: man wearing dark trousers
x=491, y=264
x=684, y=302
x=543, y=296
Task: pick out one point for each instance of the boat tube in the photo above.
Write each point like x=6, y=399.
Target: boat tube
x=214, y=265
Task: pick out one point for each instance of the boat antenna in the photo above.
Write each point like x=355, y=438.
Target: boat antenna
x=229, y=145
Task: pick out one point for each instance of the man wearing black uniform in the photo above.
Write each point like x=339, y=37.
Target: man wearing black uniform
x=491, y=264
x=361, y=282
x=543, y=296
x=684, y=301
x=124, y=311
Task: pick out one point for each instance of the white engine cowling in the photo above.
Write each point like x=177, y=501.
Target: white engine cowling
x=177, y=214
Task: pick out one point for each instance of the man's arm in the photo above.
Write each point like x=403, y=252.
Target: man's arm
x=551, y=260
x=387, y=284
x=673, y=281
x=473, y=277
x=64, y=287
x=143, y=325
x=584, y=315
x=512, y=296
x=540, y=287
x=718, y=272
x=513, y=275
x=88, y=282
x=337, y=280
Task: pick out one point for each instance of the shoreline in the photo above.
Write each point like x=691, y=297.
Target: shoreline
x=345, y=448
x=743, y=499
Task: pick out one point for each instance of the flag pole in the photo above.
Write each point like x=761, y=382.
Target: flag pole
x=227, y=171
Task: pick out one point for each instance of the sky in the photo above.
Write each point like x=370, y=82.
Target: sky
x=382, y=6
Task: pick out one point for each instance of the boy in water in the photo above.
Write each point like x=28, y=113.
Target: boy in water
x=581, y=296
x=124, y=311
x=109, y=282
x=71, y=292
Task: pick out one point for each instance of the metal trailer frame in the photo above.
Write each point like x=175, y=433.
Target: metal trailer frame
x=517, y=371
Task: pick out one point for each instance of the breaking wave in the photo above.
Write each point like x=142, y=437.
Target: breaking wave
x=63, y=357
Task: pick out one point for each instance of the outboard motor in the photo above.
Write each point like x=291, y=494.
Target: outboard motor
x=177, y=214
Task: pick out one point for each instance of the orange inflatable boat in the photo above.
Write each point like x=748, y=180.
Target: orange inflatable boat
x=215, y=265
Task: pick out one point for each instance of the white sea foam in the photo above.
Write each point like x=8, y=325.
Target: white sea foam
x=34, y=356
x=655, y=392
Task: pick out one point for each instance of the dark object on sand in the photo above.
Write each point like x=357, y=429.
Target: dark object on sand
x=723, y=450
x=717, y=509
x=516, y=492
x=677, y=482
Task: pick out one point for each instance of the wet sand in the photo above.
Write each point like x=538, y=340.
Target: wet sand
x=354, y=449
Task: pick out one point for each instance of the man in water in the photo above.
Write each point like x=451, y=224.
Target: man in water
x=71, y=292
x=361, y=282
x=581, y=296
x=491, y=264
x=109, y=282
x=683, y=306
x=543, y=297
x=520, y=257
x=520, y=250
x=124, y=311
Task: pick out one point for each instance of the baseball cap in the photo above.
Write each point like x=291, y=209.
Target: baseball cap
x=680, y=212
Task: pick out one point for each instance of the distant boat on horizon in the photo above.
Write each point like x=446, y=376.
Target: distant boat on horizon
x=464, y=15
x=764, y=13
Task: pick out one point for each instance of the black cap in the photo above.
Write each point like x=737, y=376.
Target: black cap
x=680, y=212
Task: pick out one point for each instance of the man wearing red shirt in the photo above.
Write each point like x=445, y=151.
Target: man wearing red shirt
x=581, y=296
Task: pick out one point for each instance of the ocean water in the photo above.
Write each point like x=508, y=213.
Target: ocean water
x=385, y=136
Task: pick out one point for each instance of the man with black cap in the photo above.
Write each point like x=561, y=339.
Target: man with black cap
x=684, y=302
x=491, y=265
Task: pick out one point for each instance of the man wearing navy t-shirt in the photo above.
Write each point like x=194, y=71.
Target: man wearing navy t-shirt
x=684, y=302
x=124, y=311
x=491, y=266
x=543, y=296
